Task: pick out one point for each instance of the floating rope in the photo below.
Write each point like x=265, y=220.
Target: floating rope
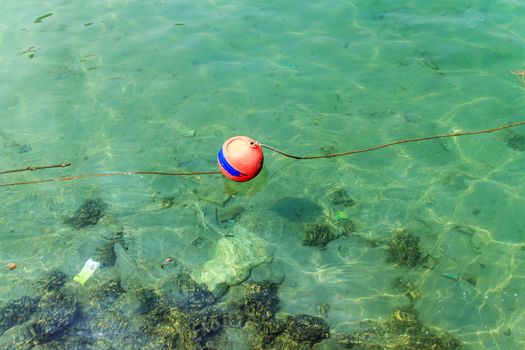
x=456, y=134
x=120, y=173
x=34, y=168
x=192, y=173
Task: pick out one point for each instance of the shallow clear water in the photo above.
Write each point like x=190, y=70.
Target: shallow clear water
x=159, y=85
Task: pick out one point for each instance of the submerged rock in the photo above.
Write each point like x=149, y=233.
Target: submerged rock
x=263, y=334
x=261, y=304
x=148, y=299
x=51, y=281
x=105, y=295
x=234, y=257
x=269, y=272
x=303, y=331
x=56, y=311
x=102, y=328
x=403, y=331
x=261, y=301
x=187, y=294
x=16, y=311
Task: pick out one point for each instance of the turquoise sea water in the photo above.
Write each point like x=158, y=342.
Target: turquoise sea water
x=159, y=85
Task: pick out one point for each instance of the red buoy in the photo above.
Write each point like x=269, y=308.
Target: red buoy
x=240, y=158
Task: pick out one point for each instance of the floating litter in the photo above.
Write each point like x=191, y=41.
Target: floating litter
x=87, y=271
x=341, y=216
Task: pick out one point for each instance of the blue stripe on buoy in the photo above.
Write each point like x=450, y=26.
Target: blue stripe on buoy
x=226, y=166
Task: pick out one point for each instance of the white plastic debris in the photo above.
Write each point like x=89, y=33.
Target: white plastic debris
x=87, y=271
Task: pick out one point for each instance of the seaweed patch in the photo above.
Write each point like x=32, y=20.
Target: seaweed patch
x=404, y=250
x=177, y=329
x=88, y=214
x=402, y=331
x=318, y=235
x=516, y=142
